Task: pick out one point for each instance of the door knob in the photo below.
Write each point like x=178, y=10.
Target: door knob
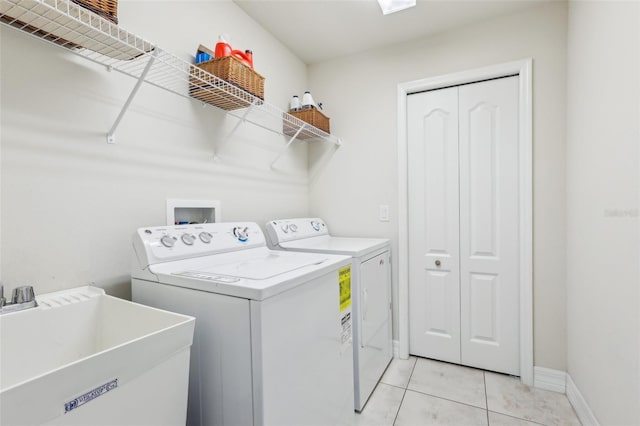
x=437, y=262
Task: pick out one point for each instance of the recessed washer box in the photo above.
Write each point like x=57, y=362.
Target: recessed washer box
x=182, y=212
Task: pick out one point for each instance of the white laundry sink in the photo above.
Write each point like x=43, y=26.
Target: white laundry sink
x=84, y=358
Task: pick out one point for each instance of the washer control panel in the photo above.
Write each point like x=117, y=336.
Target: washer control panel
x=165, y=243
x=282, y=230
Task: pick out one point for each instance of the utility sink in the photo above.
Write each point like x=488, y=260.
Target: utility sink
x=85, y=358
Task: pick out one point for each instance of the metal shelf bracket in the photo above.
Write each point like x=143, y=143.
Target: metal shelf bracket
x=241, y=119
x=111, y=137
x=287, y=146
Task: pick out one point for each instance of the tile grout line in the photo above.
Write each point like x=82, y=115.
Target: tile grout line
x=405, y=392
x=399, y=406
x=446, y=399
x=486, y=398
x=393, y=386
x=517, y=418
x=449, y=399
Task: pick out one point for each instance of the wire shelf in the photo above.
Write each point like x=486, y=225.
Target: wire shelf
x=87, y=34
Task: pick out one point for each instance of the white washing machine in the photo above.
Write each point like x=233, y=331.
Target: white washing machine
x=371, y=291
x=272, y=341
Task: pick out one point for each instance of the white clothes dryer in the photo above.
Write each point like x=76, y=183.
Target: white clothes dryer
x=272, y=341
x=371, y=292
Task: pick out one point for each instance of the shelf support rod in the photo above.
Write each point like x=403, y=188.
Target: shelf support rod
x=111, y=138
x=288, y=144
x=241, y=120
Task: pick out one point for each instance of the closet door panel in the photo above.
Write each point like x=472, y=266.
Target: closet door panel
x=434, y=304
x=489, y=220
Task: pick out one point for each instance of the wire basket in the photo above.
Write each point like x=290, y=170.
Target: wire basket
x=38, y=32
x=108, y=9
x=13, y=16
x=249, y=83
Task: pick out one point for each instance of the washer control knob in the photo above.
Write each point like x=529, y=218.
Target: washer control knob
x=205, y=237
x=168, y=241
x=293, y=227
x=242, y=234
x=188, y=239
x=285, y=228
x=315, y=225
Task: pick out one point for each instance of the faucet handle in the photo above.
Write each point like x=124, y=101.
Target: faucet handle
x=23, y=294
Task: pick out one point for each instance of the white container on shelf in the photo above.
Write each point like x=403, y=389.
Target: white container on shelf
x=307, y=100
x=294, y=105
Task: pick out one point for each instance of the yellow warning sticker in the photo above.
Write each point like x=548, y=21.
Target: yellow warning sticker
x=344, y=277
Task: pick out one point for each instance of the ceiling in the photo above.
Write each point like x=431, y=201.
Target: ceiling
x=317, y=30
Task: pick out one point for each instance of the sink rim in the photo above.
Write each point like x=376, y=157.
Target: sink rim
x=65, y=298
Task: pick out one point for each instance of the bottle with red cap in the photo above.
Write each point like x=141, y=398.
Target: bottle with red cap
x=223, y=49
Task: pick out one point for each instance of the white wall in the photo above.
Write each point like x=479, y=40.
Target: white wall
x=603, y=184
x=360, y=96
x=70, y=202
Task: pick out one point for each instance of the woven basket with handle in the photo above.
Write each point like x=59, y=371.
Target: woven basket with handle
x=312, y=116
x=248, y=83
x=106, y=8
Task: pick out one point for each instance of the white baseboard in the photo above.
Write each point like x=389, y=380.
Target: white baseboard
x=585, y=415
x=549, y=379
x=559, y=381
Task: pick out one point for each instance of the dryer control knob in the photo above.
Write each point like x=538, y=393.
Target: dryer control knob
x=168, y=241
x=205, y=237
x=188, y=239
x=285, y=228
x=315, y=225
x=293, y=227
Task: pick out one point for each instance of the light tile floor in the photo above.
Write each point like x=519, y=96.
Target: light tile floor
x=420, y=391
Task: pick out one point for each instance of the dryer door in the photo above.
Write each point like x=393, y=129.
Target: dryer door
x=375, y=300
x=374, y=319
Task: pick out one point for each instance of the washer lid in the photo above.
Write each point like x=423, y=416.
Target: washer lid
x=264, y=267
x=255, y=274
x=355, y=247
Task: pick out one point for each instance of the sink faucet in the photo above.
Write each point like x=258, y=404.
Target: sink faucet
x=21, y=298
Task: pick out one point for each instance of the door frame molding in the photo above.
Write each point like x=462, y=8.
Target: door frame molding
x=522, y=68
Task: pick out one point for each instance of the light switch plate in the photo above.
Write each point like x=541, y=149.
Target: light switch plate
x=383, y=213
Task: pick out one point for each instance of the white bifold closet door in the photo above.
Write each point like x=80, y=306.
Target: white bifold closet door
x=464, y=224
